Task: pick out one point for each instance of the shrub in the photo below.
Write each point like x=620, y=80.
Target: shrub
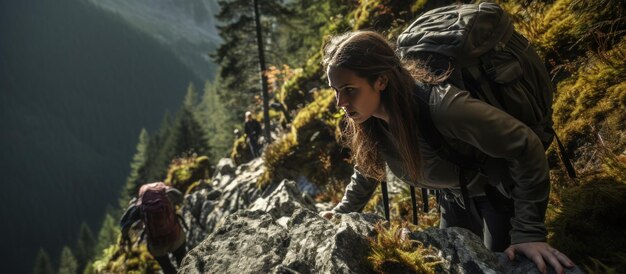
x=310, y=148
x=185, y=171
x=590, y=225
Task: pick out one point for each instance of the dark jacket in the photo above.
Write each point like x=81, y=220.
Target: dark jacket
x=469, y=126
x=252, y=128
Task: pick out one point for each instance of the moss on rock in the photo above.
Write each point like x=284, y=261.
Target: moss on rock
x=184, y=172
x=393, y=252
x=590, y=224
x=310, y=148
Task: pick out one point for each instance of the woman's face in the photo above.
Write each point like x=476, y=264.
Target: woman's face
x=358, y=98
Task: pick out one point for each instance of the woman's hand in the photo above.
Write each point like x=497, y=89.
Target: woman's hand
x=540, y=252
x=327, y=214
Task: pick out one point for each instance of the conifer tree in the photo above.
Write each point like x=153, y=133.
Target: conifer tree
x=238, y=76
x=42, y=263
x=68, y=263
x=84, y=246
x=189, y=134
x=158, y=155
x=137, y=170
x=109, y=232
x=217, y=121
x=89, y=268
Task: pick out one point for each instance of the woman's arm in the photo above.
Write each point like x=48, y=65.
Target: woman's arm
x=499, y=135
x=494, y=132
x=357, y=194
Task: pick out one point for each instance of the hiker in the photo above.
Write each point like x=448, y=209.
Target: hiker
x=155, y=207
x=384, y=127
x=252, y=129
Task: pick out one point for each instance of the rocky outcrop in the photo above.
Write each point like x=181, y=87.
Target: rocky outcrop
x=288, y=237
x=237, y=229
x=231, y=189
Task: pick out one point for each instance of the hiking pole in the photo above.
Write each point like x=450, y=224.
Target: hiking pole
x=414, y=204
x=383, y=188
x=425, y=199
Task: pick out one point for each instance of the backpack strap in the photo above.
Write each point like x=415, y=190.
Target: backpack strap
x=571, y=172
x=182, y=221
x=431, y=134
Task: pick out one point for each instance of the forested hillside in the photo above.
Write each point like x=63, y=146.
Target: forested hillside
x=581, y=44
x=77, y=85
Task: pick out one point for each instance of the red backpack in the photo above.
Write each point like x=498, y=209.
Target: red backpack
x=159, y=215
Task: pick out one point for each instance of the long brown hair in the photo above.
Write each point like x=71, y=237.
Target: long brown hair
x=370, y=56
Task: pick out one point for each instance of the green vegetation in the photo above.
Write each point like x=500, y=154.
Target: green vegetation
x=186, y=172
x=68, y=264
x=310, y=148
x=590, y=226
x=42, y=263
x=563, y=30
x=394, y=252
x=84, y=246
x=401, y=207
x=135, y=259
x=581, y=42
x=241, y=151
x=594, y=98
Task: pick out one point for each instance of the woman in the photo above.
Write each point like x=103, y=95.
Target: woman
x=377, y=94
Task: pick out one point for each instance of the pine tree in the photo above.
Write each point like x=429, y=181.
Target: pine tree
x=217, y=121
x=137, y=170
x=239, y=76
x=158, y=155
x=189, y=135
x=84, y=246
x=42, y=263
x=89, y=268
x=175, y=137
x=68, y=263
x=109, y=232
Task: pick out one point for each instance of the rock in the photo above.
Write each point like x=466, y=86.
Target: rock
x=225, y=166
x=252, y=242
x=236, y=228
x=248, y=242
x=233, y=189
x=282, y=200
x=522, y=265
x=462, y=251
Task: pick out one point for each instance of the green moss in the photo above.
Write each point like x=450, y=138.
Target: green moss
x=183, y=172
x=594, y=96
x=294, y=94
x=241, y=152
x=310, y=148
x=591, y=222
x=563, y=29
x=134, y=259
x=394, y=253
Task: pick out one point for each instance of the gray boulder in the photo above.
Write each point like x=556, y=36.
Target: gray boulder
x=235, y=228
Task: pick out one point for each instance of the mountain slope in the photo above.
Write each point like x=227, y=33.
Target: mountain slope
x=77, y=84
x=188, y=27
